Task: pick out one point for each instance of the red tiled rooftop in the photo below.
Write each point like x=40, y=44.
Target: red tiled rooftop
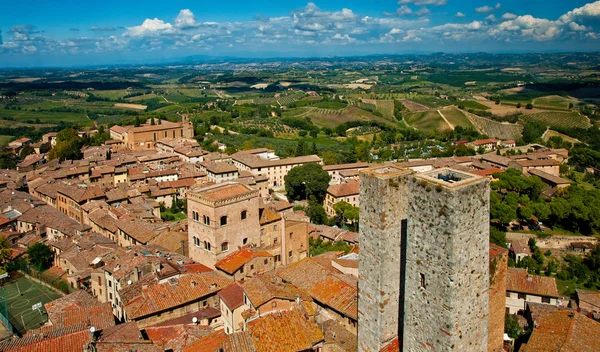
x=235, y=260
x=518, y=280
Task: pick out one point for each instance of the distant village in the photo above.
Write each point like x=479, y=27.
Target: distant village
x=235, y=274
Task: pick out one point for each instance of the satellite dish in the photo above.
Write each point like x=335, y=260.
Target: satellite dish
x=92, y=330
x=195, y=320
x=129, y=282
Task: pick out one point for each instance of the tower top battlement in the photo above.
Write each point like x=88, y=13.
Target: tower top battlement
x=450, y=178
x=386, y=171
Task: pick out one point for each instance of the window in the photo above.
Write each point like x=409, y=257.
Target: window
x=262, y=232
x=244, y=214
x=195, y=215
x=545, y=299
x=290, y=254
x=522, y=296
x=275, y=240
x=274, y=227
x=274, y=304
x=423, y=283
x=110, y=296
x=207, y=246
x=245, y=240
x=252, y=267
x=110, y=284
x=224, y=246
x=507, y=294
x=99, y=280
x=291, y=233
x=205, y=220
x=223, y=220
x=278, y=258
x=242, y=269
x=266, y=261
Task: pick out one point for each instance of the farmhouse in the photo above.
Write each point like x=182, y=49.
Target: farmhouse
x=146, y=135
x=347, y=192
x=522, y=288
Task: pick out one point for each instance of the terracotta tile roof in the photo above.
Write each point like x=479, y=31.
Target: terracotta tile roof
x=268, y=216
x=562, y=330
x=73, y=342
x=235, y=260
x=77, y=300
x=232, y=296
x=325, y=285
x=344, y=189
x=100, y=316
x=518, y=280
x=538, y=162
x=550, y=178
x=128, y=332
x=496, y=250
x=485, y=141
x=177, y=337
x=224, y=191
x=207, y=343
x=393, y=346
x=79, y=194
x=206, y=313
x=196, y=268
x=589, y=297
x=284, y=331
x=263, y=288
x=238, y=342
x=141, y=231
x=186, y=289
x=336, y=167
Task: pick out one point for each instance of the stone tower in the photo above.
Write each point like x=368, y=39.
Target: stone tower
x=383, y=203
x=188, y=126
x=432, y=231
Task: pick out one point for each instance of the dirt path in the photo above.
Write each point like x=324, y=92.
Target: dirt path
x=553, y=242
x=445, y=119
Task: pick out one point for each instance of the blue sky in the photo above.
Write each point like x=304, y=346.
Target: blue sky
x=76, y=32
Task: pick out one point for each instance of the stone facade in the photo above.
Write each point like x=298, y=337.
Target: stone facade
x=424, y=268
x=221, y=219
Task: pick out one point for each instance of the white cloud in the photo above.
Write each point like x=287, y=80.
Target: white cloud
x=148, y=28
x=459, y=14
x=509, y=16
x=404, y=10
x=586, y=11
x=491, y=18
x=423, y=11
x=487, y=9
x=475, y=25
x=423, y=2
x=577, y=27
x=185, y=19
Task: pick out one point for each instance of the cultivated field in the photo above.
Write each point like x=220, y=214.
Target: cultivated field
x=553, y=102
x=386, y=107
x=44, y=116
x=351, y=113
x=469, y=104
x=412, y=106
x=456, y=117
x=426, y=121
x=495, y=129
x=561, y=119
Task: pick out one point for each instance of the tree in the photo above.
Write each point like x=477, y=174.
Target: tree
x=5, y=252
x=340, y=209
x=518, y=105
x=7, y=160
x=529, y=106
x=316, y=213
x=137, y=122
x=40, y=256
x=511, y=326
x=306, y=181
x=352, y=214
x=26, y=151
x=533, y=130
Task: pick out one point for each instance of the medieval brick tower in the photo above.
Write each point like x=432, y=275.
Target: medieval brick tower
x=424, y=270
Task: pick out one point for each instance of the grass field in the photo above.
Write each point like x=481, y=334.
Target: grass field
x=110, y=94
x=427, y=121
x=456, y=117
x=4, y=140
x=561, y=119
x=551, y=133
x=469, y=104
x=553, y=101
x=21, y=295
x=45, y=116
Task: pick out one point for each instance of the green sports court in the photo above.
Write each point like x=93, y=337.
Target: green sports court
x=18, y=296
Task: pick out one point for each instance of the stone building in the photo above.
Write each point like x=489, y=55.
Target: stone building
x=345, y=192
x=145, y=136
x=221, y=219
x=424, y=268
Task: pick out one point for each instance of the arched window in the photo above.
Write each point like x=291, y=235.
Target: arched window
x=207, y=246
x=224, y=246
x=244, y=214
x=245, y=241
x=206, y=220
x=223, y=220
